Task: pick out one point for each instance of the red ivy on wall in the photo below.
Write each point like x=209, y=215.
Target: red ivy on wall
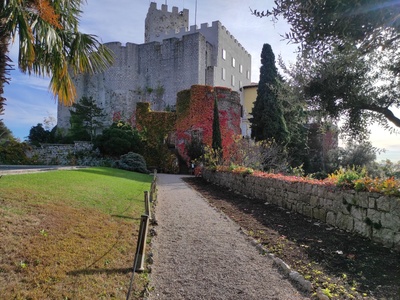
x=196, y=116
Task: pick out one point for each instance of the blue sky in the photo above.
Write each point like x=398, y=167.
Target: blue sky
x=28, y=99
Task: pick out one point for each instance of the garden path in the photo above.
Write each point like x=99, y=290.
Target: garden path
x=200, y=253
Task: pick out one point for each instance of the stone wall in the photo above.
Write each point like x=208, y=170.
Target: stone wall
x=58, y=154
x=153, y=72
x=371, y=215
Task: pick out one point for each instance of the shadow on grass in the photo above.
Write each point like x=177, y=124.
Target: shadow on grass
x=125, y=217
x=100, y=271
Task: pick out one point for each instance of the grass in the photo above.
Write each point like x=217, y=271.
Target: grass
x=70, y=234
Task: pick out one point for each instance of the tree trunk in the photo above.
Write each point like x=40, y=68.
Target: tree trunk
x=5, y=66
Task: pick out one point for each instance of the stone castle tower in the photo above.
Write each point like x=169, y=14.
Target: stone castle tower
x=159, y=22
x=173, y=58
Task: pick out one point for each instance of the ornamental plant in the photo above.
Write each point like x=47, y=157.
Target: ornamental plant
x=345, y=177
x=132, y=162
x=387, y=186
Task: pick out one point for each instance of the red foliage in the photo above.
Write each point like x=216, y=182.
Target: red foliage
x=292, y=178
x=117, y=116
x=198, y=118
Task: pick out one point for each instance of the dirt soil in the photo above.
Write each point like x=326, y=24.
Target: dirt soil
x=342, y=265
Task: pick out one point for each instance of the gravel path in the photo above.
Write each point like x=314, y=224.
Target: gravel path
x=201, y=254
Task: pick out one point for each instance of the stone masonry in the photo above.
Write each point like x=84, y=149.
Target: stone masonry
x=372, y=215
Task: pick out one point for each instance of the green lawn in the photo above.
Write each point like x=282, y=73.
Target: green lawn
x=70, y=234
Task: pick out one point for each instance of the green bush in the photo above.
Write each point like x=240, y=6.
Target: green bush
x=132, y=162
x=14, y=153
x=119, y=139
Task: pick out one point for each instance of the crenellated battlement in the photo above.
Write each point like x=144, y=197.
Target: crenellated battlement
x=164, y=8
x=216, y=27
x=160, y=21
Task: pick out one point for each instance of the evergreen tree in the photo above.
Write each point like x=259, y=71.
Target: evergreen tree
x=37, y=135
x=216, y=133
x=85, y=119
x=268, y=122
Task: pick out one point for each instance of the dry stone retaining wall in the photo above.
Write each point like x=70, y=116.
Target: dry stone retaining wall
x=58, y=154
x=372, y=215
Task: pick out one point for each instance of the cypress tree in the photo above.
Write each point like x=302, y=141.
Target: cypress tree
x=268, y=121
x=216, y=133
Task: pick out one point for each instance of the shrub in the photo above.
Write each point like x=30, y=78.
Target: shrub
x=119, y=139
x=132, y=162
x=346, y=177
x=14, y=153
x=388, y=186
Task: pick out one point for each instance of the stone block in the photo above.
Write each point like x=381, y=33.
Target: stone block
x=383, y=203
x=358, y=213
x=349, y=197
x=319, y=214
x=321, y=192
x=304, y=198
x=345, y=222
x=314, y=201
x=395, y=206
x=332, y=195
x=299, y=207
x=371, y=202
x=307, y=188
x=292, y=196
x=314, y=190
x=363, y=200
x=345, y=208
x=362, y=228
x=374, y=215
x=331, y=218
x=390, y=221
x=384, y=236
x=307, y=211
x=326, y=203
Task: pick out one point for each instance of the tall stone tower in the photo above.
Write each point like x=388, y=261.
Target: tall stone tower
x=159, y=22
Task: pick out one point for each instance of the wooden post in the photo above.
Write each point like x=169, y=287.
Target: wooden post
x=141, y=245
x=147, y=207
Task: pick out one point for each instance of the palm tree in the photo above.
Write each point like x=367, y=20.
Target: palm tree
x=49, y=44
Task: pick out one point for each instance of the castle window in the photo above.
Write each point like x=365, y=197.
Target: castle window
x=248, y=74
x=240, y=84
x=241, y=68
x=233, y=62
x=233, y=80
x=223, y=74
x=223, y=53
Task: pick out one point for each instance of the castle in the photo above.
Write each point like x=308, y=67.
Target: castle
x=173, y=58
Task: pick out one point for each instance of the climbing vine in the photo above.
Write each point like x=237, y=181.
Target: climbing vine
x=195, y=116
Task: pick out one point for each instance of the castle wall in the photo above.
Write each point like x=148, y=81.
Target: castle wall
x=235, y=60
x=153, y=72
x=221, y=40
